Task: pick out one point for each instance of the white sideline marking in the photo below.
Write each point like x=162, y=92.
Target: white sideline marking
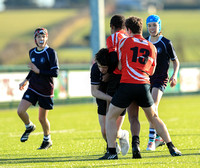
x=53, y=132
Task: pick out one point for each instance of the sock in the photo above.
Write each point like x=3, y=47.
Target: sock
x=152, y=134
x=112, y=150
x=135, y=139
x=28, y=125
x=170, y=144
x=47, y=138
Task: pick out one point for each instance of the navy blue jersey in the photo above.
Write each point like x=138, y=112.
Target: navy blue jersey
x=165, y=52
x=47, y=62
x=96, y=78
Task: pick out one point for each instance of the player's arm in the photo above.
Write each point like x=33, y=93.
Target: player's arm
x=173, y=79
x=23, y=84
x=113, y=61
x=174, y=58
x=153, y=60
x=99, y=94
x=120, y=65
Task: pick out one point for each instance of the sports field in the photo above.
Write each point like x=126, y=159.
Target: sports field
x=77, y=140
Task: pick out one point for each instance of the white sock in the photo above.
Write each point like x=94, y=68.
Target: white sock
x=47, y=138
x=152, y=134
x=28, y=125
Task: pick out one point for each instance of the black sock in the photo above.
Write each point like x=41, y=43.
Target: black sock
x=170, y=144
x=135, y=139
x=112, y=150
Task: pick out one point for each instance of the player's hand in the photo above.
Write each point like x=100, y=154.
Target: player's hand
x=32, y=67
x=22, y=85
x=173, y=81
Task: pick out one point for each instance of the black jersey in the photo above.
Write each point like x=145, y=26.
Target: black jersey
x=47, y=62
x=96, y=78
x=165, y=52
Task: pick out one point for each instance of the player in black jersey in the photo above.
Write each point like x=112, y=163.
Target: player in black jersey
x=100, y=72
x=165, y=53
x=43, y=67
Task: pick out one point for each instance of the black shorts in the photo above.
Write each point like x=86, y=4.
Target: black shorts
x=160, y=86
x=140, y=93
x=113, y=83
x=101, y=107
x=44, y=102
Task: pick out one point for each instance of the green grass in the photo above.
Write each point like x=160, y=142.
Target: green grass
x=77, y=140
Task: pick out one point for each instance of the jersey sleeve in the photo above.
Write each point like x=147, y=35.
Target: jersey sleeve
x=95, y=75
x=54, y=65
x=54, y=60
x=171, y=51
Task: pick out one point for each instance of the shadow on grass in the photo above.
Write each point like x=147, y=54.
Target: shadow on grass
x=46, y=159
x=34, y=159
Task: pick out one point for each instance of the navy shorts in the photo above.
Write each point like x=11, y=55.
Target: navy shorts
x=127, y=93
x=102, y=105
x=44, y=102
x=160, y=86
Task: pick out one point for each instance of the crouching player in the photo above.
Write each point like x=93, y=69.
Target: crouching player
x=99, y=79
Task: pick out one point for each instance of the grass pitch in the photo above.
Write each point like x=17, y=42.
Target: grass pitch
x=77, y=140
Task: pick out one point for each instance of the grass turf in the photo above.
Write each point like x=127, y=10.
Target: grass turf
x=77, y=140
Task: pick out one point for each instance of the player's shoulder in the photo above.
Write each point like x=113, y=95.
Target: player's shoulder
x=165, y=40
x=32, y=49
x=95, y=68
x=51, y=51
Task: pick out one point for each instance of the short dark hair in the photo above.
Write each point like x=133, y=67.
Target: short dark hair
x=135, y=24
x=118, y=21
x=102, y=57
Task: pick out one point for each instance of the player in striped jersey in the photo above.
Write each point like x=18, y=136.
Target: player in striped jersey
x=137, y=60
x=118, y=32
x=43, y=67
x=165, y=53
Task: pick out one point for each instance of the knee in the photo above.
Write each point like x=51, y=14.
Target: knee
x=20, y=111
x=41, y=119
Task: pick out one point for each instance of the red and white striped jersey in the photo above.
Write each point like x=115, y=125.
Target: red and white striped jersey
x=112, y=43
x=138, y=59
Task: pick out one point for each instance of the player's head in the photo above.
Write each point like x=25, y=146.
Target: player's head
x=102, y=60
x=117, y=22
x=134, y=24
x=156, y=19
x=40, y=32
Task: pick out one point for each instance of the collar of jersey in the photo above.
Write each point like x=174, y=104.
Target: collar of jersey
x=160, y=37
x=38, y=52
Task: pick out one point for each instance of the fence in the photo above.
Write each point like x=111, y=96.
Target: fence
x=73, y=83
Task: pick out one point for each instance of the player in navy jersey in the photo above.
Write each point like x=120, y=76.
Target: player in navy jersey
x=100, y=73
x=43, y=67
x=165, y=53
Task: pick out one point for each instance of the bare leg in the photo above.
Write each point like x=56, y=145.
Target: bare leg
x=119, y=123
x=102, y=122
x=157, y=123
x=156, y=95
x=43, y=113
x=111, y=126
x=133, y=110
x=21, y=111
